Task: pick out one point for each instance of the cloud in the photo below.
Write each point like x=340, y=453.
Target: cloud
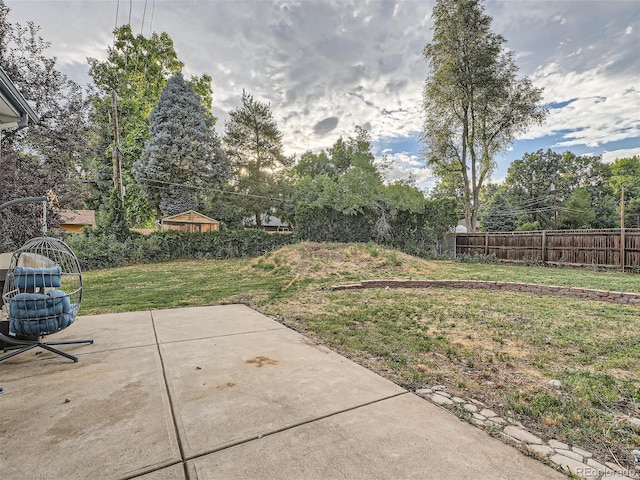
x=325, y=126
x=610, y=157
x=596, y=108
x=360, y=62
x=404, y=165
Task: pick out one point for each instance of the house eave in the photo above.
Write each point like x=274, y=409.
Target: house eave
x=16, y=111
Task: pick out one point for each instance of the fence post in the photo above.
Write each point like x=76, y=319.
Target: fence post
x=486, y=244
x=622, y=249
x=544, y=248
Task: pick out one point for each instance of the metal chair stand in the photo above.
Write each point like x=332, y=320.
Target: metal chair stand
x=20, y=345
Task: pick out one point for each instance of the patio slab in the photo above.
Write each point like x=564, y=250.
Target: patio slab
x=204, y=322
x=110, y=331
x=225, y=392
x=234, y=388
x=107, y=416
x=403, y=437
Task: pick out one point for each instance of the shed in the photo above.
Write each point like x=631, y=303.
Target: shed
x=190, y=221
x=73, y=221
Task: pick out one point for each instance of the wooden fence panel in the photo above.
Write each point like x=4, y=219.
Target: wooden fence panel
x=577, y=248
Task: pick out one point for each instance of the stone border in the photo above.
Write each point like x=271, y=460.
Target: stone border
x=571, y=459
x=571, y=292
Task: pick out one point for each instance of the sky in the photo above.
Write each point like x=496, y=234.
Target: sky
x=326, y=67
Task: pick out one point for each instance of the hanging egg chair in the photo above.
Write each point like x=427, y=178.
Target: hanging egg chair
x=42, y=296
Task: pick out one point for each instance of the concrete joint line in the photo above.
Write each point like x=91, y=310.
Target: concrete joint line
x=295, y=425
x=171, y=406
x=152, y=470
x=225, y=335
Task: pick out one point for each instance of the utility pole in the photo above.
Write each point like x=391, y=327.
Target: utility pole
x=117, y=163
x=552, y=187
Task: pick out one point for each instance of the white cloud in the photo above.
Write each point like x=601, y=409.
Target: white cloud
x=403, y=165
x=604, y=108
x=610, y=157
x=327, y=66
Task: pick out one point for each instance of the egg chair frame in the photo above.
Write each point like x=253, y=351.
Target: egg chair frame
x=42, y=295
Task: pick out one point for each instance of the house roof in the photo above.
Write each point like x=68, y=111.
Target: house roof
x=77, y=217
x=14, y=109
x=267, y=221
x=190, y=216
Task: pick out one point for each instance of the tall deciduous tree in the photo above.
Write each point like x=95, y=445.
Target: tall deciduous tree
x=253, y=142
x=22, y=176
x=137, y=69
x=183, y=153
x=475, y=106
x=59, y=139
x=343, y=178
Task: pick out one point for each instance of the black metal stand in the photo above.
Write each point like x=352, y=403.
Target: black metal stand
x=26, y=344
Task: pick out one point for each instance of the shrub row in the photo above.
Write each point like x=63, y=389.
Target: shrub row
x=420, y=233
x=100, y=250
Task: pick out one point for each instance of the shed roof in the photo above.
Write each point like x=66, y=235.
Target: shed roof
x=14, y=109
x=77, y=217
x=190, y=216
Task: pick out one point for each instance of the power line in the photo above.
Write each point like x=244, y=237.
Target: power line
x=224, y=192
x=144, y=13
x=153, y=9
x=115, y=26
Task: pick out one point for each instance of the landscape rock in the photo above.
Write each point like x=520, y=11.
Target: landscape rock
x=575, y=467
x=541, y=450
x=424, y=391
x=498, y=420
x=570, y=454
x=634, y=421
x=470, y=407
x=582, y=452
x=441, y=400
x=488, y=413
x=557, y=444
x=554, y=384
x=522, y=435
x=592, y=463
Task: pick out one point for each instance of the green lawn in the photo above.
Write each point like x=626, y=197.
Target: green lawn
x=498, y=347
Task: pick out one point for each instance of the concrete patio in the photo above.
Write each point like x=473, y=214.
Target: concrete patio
x=225, y=392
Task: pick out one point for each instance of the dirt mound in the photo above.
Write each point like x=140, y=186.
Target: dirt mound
x=339, y=260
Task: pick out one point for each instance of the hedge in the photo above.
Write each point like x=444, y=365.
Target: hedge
x=95, y=250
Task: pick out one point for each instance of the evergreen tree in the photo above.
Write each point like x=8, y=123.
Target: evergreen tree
x=183, y=153
x=254, y=145
x=577, y=212
x=137, y=69
x=499, y=216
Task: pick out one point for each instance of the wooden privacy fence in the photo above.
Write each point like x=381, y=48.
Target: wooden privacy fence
x=610, y=248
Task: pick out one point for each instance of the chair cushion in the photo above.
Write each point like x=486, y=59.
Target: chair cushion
x=43, y=326
x=28, y=277
x=38, y=305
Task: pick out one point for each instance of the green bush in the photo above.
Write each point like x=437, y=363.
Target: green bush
x=99, y=250
x=323, y=224
x=416, y=233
